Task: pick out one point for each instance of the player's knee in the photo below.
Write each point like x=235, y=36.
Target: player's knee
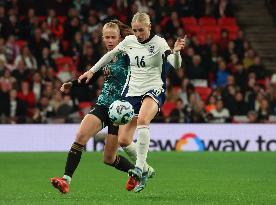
x=82, y=137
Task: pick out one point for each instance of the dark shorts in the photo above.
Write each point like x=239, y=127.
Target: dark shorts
x=136, y=101
x=101, y=112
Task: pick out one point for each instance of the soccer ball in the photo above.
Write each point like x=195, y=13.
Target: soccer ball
x=120, y=112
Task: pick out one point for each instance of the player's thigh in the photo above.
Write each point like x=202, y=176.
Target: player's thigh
x=148, y=111
x=126, y=132
x=90, y=125
x=110, y=148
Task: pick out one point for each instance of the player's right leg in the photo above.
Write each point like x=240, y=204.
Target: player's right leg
x=147, y=112
x=126, y=133
x=89, y=126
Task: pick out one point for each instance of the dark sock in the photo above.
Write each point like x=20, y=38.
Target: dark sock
x=73, y=159
x=123, y=164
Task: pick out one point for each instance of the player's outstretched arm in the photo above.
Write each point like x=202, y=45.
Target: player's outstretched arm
x=101, y=63
x=106, y=59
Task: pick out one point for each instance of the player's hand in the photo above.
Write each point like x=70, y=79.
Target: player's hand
x=87, y=75
x=180, y=44
x=66, y=87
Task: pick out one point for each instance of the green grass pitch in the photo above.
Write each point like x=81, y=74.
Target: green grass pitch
x=182, y=178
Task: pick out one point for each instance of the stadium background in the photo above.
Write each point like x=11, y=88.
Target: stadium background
x=223, y=77
x=227, y=76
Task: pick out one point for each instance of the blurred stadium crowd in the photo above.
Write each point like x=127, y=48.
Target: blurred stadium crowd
x=46, y=43
x=271, y=6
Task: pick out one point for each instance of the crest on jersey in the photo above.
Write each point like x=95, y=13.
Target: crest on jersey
x=151, y=49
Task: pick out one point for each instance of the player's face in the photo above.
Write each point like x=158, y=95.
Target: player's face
x=141, y=31
x=111, y=38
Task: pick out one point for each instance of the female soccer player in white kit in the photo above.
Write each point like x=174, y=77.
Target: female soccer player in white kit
x=145, y=87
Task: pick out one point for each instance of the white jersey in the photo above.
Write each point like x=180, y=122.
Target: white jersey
x=146, y=63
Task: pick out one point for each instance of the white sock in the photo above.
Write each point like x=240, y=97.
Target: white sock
x=131, y=152
x=67, y=178
x=142, y=146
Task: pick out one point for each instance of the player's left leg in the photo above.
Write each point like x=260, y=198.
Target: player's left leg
x=89, y=126
x=126, y=133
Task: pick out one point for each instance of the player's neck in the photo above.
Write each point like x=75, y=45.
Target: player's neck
x=149, y=38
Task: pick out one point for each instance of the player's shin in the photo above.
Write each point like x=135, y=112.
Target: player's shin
x=73, y=160
x=143, y=141
x=131, y=152
x=121, y=163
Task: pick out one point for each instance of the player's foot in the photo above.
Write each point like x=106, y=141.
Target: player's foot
x=142, y=183
x=131, y=184
x=151, y=172
x=145, y=177
x=135, y=173
x=61, y=184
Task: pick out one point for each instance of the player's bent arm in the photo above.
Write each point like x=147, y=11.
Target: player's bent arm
x=175, y=59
